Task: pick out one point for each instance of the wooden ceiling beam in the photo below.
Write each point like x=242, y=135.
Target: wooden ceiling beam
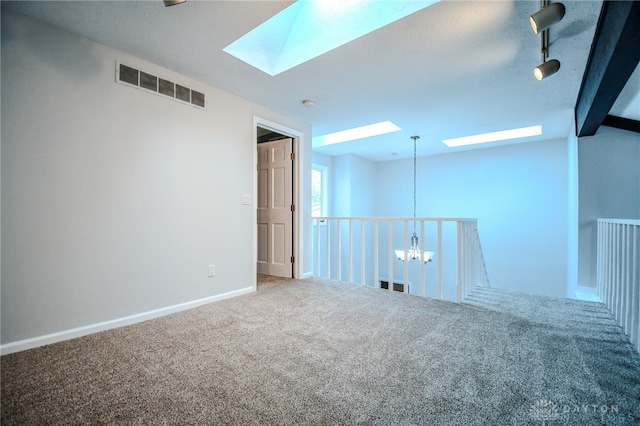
x=614, y=55
x=622, y=123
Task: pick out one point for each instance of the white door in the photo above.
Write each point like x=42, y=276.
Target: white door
x=275, y=208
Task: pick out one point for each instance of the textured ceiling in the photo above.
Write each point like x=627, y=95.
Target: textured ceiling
x=454, y=69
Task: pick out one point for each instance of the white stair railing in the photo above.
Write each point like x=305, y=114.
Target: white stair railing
x=472, y=271
x=366, y=245
x=617, y=272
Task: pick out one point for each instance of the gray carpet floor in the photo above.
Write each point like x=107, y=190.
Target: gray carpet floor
x=318, y=353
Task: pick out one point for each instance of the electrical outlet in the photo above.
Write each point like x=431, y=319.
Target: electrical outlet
x=212, y=270
x=246, y=199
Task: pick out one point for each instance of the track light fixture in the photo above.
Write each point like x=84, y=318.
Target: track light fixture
x=540, y=21
x=546, y=69
x=168, y=3
x=546, y=17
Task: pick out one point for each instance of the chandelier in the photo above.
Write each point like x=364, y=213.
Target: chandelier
x=414, y=251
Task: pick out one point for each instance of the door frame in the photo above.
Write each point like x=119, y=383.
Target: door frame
x=297, y=136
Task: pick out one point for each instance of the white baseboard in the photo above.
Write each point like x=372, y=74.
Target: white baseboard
x=60, y=336
x=307, y=275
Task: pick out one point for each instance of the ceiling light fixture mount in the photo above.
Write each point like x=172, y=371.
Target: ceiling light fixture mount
x=548, y=15
x=308, y=103
x=168, y=3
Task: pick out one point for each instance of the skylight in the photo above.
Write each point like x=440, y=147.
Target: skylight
x=356, y=133
x=522, y=132
x=309, y=28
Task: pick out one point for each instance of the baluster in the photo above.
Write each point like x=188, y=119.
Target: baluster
x=459, y=260
x=350, y=251
x=363, y=255
x=317, y=234
x=339, y=238
x=440, y=256
x=624, y=296
x=609, y=277
x=599, y=259
x=422, y=245
x=636, y=285
x=618, y=271
x=376, y=253
x=391, y=255
x=405, y=265
x=328, y=230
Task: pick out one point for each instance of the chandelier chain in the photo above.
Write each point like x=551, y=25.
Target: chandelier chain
x=415, y=138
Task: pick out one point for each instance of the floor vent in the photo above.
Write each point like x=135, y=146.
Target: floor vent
x=138, y=78
x=384, y=284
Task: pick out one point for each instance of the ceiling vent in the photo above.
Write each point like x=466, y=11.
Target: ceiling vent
x=134, y=77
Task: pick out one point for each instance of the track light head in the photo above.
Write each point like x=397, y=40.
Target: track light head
x=546, y=17
x=546, y=69
x=168, y=3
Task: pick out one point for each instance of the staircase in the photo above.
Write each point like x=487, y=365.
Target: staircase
x=590, y=318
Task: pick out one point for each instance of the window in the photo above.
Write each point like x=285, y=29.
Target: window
x=319, y=185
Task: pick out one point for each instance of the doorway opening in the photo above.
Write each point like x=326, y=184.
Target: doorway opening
x=276, y=197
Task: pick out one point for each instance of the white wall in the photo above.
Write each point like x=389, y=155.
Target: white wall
x=353, y=192
x=573, y=213
x=363, y=194
x=115, y=200
x=609, y=176
x=341, y=186
x=519, y=193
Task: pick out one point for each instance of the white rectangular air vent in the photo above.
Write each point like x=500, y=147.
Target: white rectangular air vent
x=397, y=286
x=138, y=78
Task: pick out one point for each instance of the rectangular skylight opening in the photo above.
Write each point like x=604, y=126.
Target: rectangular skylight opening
x=522, y=132
x=361, y=132
x=308, y=28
